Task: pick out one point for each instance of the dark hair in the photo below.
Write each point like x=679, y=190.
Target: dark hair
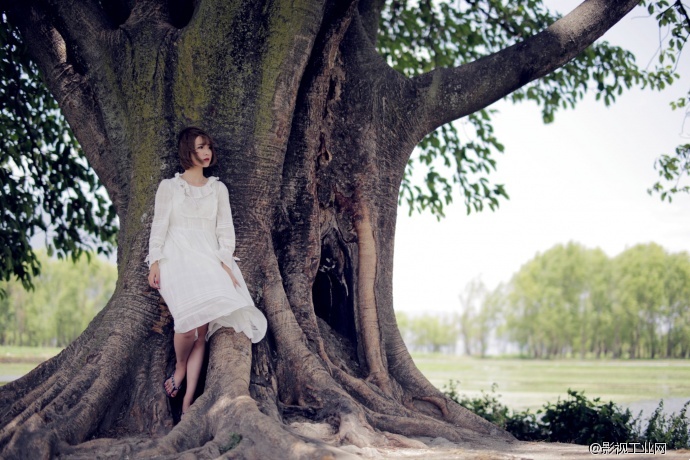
x=186, y=148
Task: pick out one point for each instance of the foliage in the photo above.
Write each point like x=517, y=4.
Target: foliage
x=487, y=406
x=578, y=420
x=672, y=169
x=479, y=316
x=674, y=430
x=66, y=297
x=674, y=24
x=419, y=36
x=575, y=301
x=428, y=332
x=46, y=185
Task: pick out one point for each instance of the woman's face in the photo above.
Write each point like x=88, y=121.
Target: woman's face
x=203, y=151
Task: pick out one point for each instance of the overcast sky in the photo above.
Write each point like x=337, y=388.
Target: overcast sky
x=583, y=178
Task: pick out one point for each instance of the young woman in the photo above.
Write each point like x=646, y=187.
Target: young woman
x=191, y=262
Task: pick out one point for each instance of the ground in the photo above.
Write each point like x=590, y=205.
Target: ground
x=442, y=449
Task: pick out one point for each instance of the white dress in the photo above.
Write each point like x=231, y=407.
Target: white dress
x=191, y=234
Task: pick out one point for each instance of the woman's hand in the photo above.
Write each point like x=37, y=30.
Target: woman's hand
x=155, y=276
x=232, y=276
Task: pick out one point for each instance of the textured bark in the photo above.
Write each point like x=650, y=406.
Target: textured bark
x=313, y=131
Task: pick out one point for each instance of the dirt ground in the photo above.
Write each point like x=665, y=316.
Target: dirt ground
x=442, y=449
x=392, y=446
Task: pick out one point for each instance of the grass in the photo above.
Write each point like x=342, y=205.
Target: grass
x=37, y=354
x=525, y=383
x=17, y=361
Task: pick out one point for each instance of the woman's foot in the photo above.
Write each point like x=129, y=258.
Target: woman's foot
x=170, y=387
x=173, y=383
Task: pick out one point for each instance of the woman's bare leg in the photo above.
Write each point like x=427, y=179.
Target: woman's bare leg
x=194, y=363
x=184, y=343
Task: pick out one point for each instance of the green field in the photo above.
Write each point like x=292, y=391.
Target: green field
x=527, y=383
x=523, y=383
x=17, y=361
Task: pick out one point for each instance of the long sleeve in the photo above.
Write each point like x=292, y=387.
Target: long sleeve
x=159, y=226
x=225, y=230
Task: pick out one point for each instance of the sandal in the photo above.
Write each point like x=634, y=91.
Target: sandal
x=175, y=388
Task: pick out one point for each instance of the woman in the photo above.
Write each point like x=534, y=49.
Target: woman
x=192, y=265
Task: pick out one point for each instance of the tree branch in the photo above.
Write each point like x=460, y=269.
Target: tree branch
x=82, y=24
x=370, y=12
x=72, y=92
x=449, y=94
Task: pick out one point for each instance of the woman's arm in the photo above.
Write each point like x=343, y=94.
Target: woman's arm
x=225, y=232
x=159, y=228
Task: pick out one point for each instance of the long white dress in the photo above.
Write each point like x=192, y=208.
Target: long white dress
x=191, y=234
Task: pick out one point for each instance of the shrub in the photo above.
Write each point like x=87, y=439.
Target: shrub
x=674, y=430
x=522, y=425
x=578, y=420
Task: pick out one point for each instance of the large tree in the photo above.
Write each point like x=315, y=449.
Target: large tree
x=314, y=131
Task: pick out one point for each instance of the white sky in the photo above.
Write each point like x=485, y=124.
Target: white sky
x=583, y=178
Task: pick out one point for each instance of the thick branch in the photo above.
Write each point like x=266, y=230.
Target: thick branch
x=370, y=12
x=72, y=91
x=82, y=24
x=450, y=94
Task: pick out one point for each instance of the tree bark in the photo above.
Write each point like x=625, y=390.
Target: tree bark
x=314, y=131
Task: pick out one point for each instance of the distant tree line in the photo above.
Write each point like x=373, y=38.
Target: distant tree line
x=572, y=301
x=66, y=297
x=429, y=333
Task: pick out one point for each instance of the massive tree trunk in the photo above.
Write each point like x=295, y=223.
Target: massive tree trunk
x=313, y=132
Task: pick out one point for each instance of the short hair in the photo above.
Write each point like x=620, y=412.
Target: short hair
x=186, y=148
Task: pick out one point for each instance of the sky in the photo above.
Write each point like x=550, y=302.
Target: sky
x=583, y=178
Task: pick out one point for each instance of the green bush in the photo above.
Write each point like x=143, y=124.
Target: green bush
x=578, y=420
x=522, y=425
x=674, y=430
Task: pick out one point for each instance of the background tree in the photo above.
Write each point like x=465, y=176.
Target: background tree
x=640, y=295
x=576, y=301
x=433, y=333
x=558, y=300
x=428, y=332
x=479, y=317
x=315, y=129
x=66, y=297
x=676, y=311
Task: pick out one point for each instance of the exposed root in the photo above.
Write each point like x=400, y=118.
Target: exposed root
x=364, y=391
x=422, y=426
x=40, y=424
x=422, y=396
x=32, y=433
x=441, y=403
x=366, y=307
x=18, y=414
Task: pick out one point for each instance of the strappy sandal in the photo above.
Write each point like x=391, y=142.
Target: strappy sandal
x=175, y=388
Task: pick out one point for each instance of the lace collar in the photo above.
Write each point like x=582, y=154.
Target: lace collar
x=194, y=191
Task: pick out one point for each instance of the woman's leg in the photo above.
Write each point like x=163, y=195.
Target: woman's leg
x=194, y=363
x=184, y=342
